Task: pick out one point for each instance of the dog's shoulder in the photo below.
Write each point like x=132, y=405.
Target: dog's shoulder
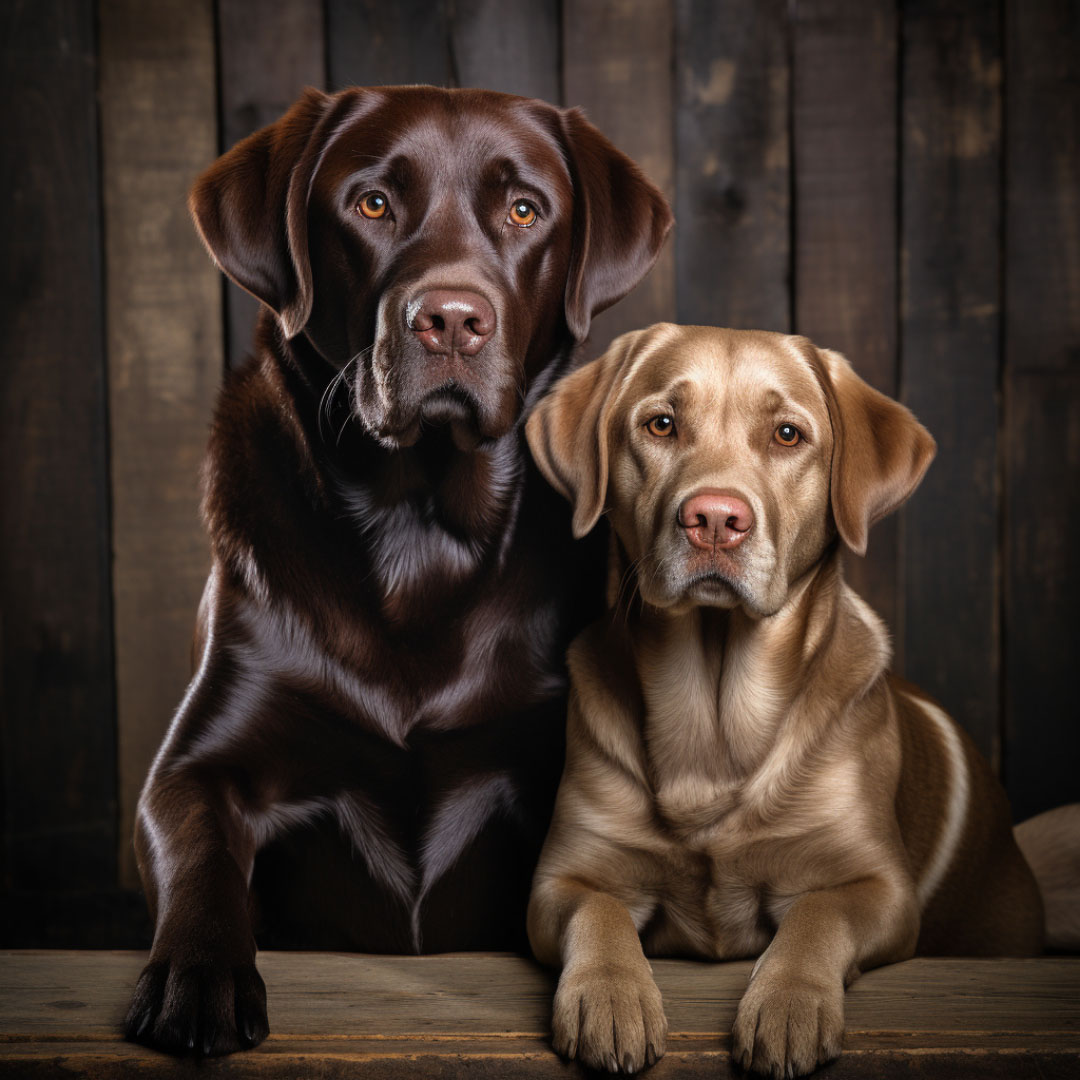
x=607, y=709
x=602, y=668
x=259, y=458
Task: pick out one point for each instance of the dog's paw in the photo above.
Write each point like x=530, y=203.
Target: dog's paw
x=787, y=1026
x=201, y=1010
x=609, y=1017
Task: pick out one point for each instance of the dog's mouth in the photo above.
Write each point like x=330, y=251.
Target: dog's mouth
x=451, y=408
x=448, y=404
x=715, y=588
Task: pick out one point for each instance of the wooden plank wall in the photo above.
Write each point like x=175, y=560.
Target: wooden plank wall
x=898, y=179
x=844, y=110
x=56, y=680
x=165, y=353
x=268, y=51
x=950, y=352
x=1041, y=399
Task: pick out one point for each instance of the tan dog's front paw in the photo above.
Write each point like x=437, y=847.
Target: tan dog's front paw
x=787, y=1026
x=609, y=1018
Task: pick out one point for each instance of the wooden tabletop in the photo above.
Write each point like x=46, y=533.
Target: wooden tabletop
x=335, y=1015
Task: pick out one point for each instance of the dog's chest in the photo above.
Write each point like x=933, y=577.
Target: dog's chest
x=729, y=880
x=490, y=660
x=709, y=906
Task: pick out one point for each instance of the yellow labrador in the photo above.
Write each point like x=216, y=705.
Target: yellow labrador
x=743, y=774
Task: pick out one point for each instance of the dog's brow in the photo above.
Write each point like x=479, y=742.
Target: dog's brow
x=399, y=170
x=774, y=399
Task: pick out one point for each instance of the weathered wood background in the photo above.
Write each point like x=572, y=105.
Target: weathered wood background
x=899, y=180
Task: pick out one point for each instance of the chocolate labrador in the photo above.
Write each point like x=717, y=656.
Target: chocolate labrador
x=369, y=750
x=743, y=776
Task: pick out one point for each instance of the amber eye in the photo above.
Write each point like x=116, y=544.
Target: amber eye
x=661, y=426
x=373, y=205
x=787, y=435
x=522, y=213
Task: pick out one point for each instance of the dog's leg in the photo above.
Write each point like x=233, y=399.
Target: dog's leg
x=200, y=993
x=791, y=1018
x=608, y=1012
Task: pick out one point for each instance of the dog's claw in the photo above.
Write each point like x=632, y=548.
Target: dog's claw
x=181, y=1010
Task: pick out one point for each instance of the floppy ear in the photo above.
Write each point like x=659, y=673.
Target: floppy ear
x=880, y=451
x=568, y=432
x=620, y=222
x=250, y=207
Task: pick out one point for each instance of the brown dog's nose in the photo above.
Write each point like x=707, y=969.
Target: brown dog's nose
x=450, y=321
x=716, y=519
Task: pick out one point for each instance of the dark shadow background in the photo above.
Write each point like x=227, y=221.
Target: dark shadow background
x=898, y=180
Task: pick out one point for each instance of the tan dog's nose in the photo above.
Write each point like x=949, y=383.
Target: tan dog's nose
x=716, y=519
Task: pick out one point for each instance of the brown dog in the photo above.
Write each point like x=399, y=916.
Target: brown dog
x=379, y=708
x=743, y=775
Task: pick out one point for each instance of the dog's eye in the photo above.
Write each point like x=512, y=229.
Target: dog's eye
x=522, y=213
x=787, y=435
x=661, y=426
x=373, y=204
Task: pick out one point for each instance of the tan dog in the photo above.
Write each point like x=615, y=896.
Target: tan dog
x=743, y=775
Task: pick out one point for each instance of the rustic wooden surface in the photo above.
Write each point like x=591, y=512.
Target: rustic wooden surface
x=844, y=60
x=733, y=183
x=165, y=357
x=56, y=691
x=268, y=51
x=616, y=64
x=507, y=45
x=949, y=357
x=335, y=1015
x=1041, y=400
x=371, y=43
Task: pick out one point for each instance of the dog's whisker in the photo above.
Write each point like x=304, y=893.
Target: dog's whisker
x=327, y=401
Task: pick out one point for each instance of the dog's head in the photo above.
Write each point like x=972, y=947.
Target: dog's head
x=435, y=246
x=728, y=460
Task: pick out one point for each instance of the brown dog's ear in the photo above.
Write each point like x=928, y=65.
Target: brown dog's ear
x=880, y=451
x=250, y=208
x=568, y=432
x=620, y=222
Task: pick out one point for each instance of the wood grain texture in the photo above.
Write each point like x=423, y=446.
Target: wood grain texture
x=1042, y=590
x=1042, y=239
x=732, y=200
x=107, y=918
x=1042, y=401
x=516, y=1058
x=617, y=67
x=372, y=43
x=269, y=50
x=336, y=1015
x=950, y=355
x=164, y=321
x=507, y=45
x=56, y=716
x=844, y=119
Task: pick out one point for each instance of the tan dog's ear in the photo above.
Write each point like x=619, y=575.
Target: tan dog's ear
x=620, y=222
x=250, y=206
x=568, y=432
x=880, y=451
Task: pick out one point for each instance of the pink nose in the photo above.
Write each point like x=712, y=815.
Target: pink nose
x=450, y=321
x=716, y=519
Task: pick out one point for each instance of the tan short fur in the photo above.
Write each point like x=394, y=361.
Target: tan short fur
x=743, y=775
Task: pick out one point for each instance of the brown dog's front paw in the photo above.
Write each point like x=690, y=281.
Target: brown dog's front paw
x=202, y=1010
x=609, y=1018
x=787, y=1027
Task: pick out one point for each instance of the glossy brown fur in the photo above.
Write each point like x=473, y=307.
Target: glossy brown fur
x=743, y=776
x=374, y=735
